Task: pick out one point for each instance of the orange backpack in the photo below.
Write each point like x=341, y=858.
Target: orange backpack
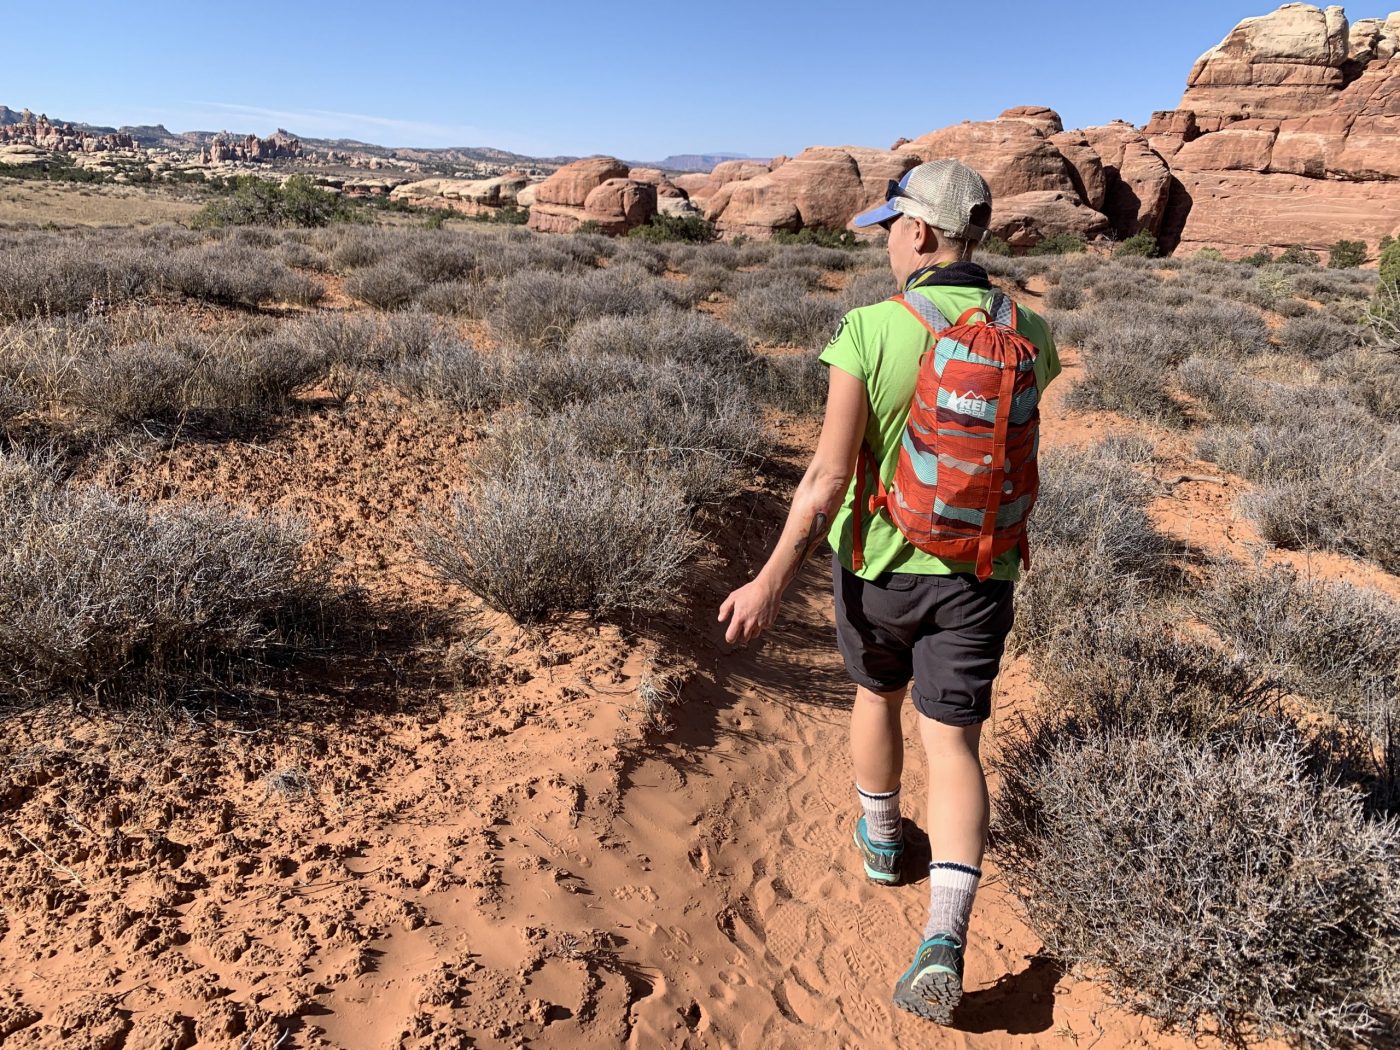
x=967, y=476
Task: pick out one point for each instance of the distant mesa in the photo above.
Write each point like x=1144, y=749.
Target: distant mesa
x=701, y=162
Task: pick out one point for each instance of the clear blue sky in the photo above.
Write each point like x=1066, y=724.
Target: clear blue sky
x=637, y=80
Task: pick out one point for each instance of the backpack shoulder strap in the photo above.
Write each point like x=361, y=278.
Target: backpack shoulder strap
x=1003, y=310
x=922, y=308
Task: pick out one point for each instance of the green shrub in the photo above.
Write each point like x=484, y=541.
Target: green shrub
x=1141, y=244
x=1210, y=254
x=1297, y=255
x=691, y=229
x=1346, y=255
x=1260, y=258
x=818, y=235
x=257, y=202
x=1059, y=244
x=994, y=245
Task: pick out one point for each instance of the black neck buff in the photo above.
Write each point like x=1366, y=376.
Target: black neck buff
x=957, y=274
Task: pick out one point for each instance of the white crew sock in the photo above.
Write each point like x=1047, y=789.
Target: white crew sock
x=951, y=888
x=881, y=815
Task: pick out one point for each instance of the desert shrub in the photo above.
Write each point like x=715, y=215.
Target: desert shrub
x=215, y=382
x=440, y=259
x=1260, y=258
x=1114, y=284
x=1210, y=255
x=1343, y=515
x=458, y=298
x=1059, y=244
x=785, y=314
x=1315, y=337
x=1141, y=244
x=707, y=280
x=714, y=254
x=256, y=202
x=385, y=285
x=1371, y=379
x=1294, y=308
x=1325, y=640
x=792, y=256
x=808, y=277
x=547, y=538
x=1218, y=884
x=234, y=275
x=1117, y=381
x=692, y=229
x=1234, y=397
x=1065, y=296
x=1297, y=255
x=1388, y=269
x=643, y=256
x=1018, y=271
x=549, y=382
x=1331, y=285
x=1316, y=485
x=1382, y=316
x=541, y=308
x=1288, y=452
x=994, y=245
x=1093, y=548
x=42, y=276
x=353, y=247
x=793, y=382
x=697, y=444
x=666, y=335
x=866, y=288
x=1345, y=255
x=819, y=236
x=456, y=375
x=156, y=605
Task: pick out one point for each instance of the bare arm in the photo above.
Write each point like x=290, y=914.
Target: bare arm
x=754, y=607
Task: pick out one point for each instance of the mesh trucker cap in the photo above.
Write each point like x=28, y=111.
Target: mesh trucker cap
x=946, y=194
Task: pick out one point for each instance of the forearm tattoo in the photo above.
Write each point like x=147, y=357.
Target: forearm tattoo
x=810, y=542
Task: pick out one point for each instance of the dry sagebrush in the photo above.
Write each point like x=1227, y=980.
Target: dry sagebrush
x=119, y=602
x=1214, y=886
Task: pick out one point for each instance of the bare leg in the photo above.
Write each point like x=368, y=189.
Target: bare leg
x=957, y=792
x=877, y=739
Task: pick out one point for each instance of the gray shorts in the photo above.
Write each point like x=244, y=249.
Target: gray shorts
x=947, y=633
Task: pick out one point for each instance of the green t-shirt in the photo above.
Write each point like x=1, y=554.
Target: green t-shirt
x=881, y=345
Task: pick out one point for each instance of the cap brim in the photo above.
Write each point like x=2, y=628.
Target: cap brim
x=876, y=215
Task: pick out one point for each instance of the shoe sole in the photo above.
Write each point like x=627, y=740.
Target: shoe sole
x=884, y=878
x=932, y=995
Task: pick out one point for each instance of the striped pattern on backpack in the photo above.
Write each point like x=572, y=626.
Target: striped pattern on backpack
x=967, y=475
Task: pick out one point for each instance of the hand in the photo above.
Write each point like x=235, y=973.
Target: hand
x=753, y=608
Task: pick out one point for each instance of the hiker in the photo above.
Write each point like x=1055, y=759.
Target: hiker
x=903, y=613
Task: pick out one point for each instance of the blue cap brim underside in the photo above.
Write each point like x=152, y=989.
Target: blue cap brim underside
x=874, y=216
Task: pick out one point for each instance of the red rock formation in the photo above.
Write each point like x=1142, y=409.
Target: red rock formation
x=823, y=186
x=1288, y=132
x=225, y=147
x=597, y=190
x=1301, y=142
x=1136, y=177
x=42, y=133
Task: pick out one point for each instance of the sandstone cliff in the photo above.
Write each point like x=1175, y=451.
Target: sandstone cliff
x=1288, y=133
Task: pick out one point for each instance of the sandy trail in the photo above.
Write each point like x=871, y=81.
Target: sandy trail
x=510, y=863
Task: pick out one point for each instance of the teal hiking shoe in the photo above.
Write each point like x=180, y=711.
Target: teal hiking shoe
x=932, y=986
x=881, y=859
